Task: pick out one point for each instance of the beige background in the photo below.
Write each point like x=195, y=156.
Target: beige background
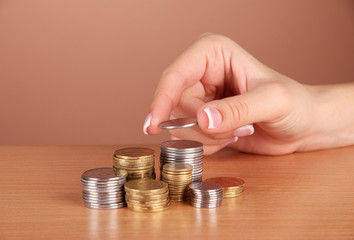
x=84, y=71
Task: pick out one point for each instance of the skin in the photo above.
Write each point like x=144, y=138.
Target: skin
x=287, y=116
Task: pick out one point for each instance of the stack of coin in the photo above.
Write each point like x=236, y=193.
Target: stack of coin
x=147, y=195
x=232, y=187
x=205, y=194
x=183, y=151
x=103, y=188
x=138, y=162
x=178, y=176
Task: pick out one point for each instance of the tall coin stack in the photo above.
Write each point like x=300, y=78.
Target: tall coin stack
x=147, y=195
x=178, y=176
x=232, y=187
x=205, y=194
x=103, y=188
x=183, y=151
x=138, y=162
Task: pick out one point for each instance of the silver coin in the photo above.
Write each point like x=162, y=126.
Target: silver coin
x=205, y=186
x=105, y=206
x=101, y=184
x=206, y=206
x=100, y=174
x=205, y=194
x=104, y=201
x=183, y=145
x=210, y=200
x=179, y=123
x=96, y=189
x=205, y=202
x=102, y=197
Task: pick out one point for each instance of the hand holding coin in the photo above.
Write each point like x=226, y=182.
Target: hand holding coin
x=241, y=103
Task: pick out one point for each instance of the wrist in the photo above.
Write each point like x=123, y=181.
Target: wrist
x=333, y=117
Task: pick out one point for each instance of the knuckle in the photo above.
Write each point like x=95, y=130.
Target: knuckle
x=235, y=111
x=171, y=73
x=212, y=39
x=206, y=34
x=281, y=93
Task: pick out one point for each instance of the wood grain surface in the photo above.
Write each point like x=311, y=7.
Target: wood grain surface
x=297, y=196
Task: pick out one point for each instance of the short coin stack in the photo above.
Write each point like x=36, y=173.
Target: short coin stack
x=183, y=151
x=232, y=187
x=103, y=188
x=147, y=195
x=138, y=162
x=205, y=194
x=178, y=176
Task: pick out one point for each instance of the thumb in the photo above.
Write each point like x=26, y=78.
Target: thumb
x=266, y=102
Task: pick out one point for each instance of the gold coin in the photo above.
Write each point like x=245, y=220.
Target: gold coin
x=146, y=186
x=132, y=169
x=227, y=182
x=120, y=172
x=134, y=152
x=140, y=174
x=138, y=209
x=177, y=167
x=232, y=195
x=134, y=162
x=134, y=159
x=238, y=190
x=155, y=203
x=177, y=182
x=184, y=175
x=146, y=198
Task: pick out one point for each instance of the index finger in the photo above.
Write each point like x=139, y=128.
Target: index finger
x=185, y=71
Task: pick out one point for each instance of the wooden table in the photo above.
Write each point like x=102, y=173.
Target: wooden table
x=298, y=196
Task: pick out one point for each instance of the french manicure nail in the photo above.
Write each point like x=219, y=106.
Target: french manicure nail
x=243, y=131
x=214, y=117
x=235, y=139
x=147, y=124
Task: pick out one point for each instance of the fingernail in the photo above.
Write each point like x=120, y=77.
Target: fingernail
x=147, y=123
x=243, y=131
x=214, y=117
x=235, y=139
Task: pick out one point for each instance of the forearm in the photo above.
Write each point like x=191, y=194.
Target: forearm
x=333, y=124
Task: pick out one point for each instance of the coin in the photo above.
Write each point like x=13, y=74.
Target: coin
x=134, y=152
x=177, y=167
x=103, y=188
x=178, y=176
x=138, y=162
x=232, y=187
x=183, y=151
x=101, y=174
x=181, y=144
x=147, y=195
x=146, y=186
x=205, y=194
x=179, y=123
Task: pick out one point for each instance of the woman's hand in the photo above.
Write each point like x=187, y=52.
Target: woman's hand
x=238, y=101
